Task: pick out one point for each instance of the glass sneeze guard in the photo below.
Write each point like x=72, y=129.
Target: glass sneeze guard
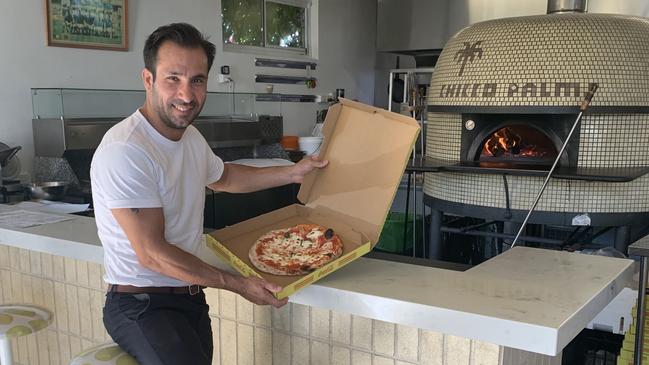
x=69, y=103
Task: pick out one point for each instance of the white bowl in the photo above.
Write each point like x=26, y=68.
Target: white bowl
x=310, y=145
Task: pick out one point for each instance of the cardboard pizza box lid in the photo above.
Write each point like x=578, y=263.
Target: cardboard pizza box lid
x=368, y=149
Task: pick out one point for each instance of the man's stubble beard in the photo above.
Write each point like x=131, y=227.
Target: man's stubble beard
x=164, y=112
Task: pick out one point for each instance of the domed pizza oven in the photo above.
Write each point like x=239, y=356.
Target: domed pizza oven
x=501, y=103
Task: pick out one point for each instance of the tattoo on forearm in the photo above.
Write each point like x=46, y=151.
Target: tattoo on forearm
x=135, y=210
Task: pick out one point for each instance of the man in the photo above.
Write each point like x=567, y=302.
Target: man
x=148, y=179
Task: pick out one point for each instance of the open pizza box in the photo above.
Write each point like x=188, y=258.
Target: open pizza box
x=367, y=149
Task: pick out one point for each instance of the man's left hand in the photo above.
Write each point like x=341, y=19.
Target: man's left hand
x=306, y=165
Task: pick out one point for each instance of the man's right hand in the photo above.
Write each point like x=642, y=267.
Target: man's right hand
x=258, y=291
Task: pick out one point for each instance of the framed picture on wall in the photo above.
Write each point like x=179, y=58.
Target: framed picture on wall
x=97, y=24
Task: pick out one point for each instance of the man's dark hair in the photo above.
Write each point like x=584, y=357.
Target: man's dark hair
x=184, y=35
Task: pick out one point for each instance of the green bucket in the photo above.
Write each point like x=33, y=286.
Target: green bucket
x=391, y=239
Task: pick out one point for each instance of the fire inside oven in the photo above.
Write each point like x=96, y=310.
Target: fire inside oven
x=518, y=144
x=516, y=141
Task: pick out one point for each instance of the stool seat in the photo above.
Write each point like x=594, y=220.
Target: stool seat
x=18, y=320
x=105, y=354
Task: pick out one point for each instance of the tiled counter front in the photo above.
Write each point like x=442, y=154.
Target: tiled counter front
x=72, y=289
x=300, y=334
x=244, y=333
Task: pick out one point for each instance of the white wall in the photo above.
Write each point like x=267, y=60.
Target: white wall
x=346, y=49
x=629, y=7
x=345, y=59
x=411, y=24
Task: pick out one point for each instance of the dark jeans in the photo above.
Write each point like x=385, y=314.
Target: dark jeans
x=168, y=329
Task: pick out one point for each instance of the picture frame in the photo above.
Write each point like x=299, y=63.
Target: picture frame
x=94, y=24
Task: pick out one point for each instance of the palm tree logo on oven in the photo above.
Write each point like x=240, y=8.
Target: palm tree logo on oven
x=468, y=54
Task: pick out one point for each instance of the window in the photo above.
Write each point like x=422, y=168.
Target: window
x=276, y=24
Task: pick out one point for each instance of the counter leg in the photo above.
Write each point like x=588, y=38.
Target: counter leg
x=639, y=330
x=407, y=210
x=414, y=214
x=435, y=236
x=512, y=228
x=622, y=238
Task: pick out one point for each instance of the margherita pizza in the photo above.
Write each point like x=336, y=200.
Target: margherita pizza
x=296, y=250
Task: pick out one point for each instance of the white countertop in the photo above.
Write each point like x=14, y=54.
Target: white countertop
x=530, y=299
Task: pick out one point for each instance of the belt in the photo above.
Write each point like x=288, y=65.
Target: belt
x=183, y=290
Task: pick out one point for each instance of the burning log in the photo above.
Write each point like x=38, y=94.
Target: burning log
x=504, y=141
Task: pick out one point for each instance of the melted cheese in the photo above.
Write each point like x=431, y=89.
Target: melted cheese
x=314, y=234
x=295, y=250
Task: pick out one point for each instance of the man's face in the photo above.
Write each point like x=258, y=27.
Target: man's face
x=177, y=94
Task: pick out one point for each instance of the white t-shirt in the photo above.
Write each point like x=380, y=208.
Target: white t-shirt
x=136, y=167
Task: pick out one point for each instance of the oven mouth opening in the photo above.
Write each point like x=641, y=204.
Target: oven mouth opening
x=516, y=144
x=538, y=140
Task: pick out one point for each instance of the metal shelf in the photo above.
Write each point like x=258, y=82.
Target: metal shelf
x=300, y=65
x=410, y=105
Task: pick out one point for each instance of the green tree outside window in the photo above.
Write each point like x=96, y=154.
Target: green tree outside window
x=243, y=24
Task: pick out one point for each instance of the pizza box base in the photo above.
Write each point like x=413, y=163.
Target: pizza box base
x=367, y=149
x=233, y=243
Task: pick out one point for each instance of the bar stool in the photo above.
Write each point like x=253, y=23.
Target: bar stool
x=105, y=354
x=18, y=320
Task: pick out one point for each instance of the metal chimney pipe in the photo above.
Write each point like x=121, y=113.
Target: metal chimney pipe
x=567, y=6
